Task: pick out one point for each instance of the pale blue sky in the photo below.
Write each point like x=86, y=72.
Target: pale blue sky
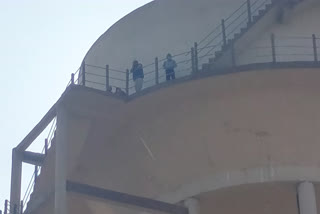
x=41, y=43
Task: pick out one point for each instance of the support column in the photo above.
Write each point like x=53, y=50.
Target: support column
x=307, y=198
x=16, y=173
x=193, y=205
x=61, y=164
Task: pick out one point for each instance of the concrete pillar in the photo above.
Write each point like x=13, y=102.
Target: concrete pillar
x=307, y=198
x=16, y=173
x=193, y=205
x=61, y=143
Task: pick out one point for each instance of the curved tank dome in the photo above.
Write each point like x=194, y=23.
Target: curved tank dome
x=157, y=28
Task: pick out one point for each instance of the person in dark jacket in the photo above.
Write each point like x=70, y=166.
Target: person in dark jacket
x=169, y=65
x=137, y=75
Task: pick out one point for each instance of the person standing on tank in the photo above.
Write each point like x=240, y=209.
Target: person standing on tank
x=169, y=65
x=137, y=75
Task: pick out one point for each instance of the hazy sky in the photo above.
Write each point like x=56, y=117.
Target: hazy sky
x=41, y=43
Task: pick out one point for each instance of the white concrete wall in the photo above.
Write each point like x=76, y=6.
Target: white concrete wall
x=206, y=134
x=301, y=22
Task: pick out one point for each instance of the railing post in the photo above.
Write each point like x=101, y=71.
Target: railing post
x=83, y=73
x=15, y=209
x=72, y=79
x=21, y=207
x=6, y=207
x=249, y=11
x=196, y=63
x=127, y=82
x=233, y=55
x=35, y=175
x=192, y=60
x=315, y=51
x=46, y=146
x=223, y=28
x=273, y=47
x=107, y=78
x=156, y=63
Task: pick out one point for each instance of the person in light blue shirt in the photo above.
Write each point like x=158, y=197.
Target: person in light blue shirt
x=169, y=65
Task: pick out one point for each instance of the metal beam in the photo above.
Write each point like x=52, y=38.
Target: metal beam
x=125, y=198
x=36, y=131
x=16, y=175
x=33, y=158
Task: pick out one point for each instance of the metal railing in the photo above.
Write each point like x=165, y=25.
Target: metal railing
x=282, y=49
x=232, y=27
x=108, y=79
x=37, y=170
x=275, y=49
x=11, y=209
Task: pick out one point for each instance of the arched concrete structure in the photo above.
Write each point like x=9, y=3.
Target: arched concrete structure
x=196, y=138
x=157, y=28
x=204, y=135
x=261, y=175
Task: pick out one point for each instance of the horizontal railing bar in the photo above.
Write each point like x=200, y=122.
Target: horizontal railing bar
x=294, y=37
x=122, y=88
x=93, y=74
x=216, y=37
x=236, y=19
x=259, y=7
x=259, y=47
x=186, y=69
x=212, y=32
x=114, y=78
x=99, y=75
x=150, y=72
x=206, y=55
x=266, y=55
x=244, y=4
x=96, y=82
x=210, y=46
x=95, y=66
x=294, y=54
x=148, y=65
x=149, y=80
x=111, y=69
x=104, y=68
x=184, y=61
x=211, y=50
x=186, y=53
x=236, y=28
x=293, y=46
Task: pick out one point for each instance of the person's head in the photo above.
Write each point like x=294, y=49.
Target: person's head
x=135, y=63
x=169, y=56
